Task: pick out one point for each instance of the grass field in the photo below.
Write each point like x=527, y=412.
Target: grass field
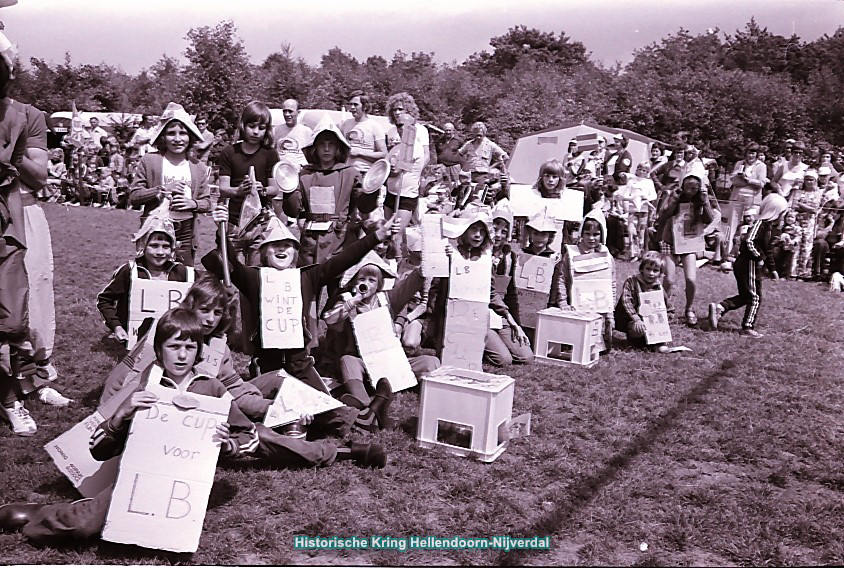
x=729, y=455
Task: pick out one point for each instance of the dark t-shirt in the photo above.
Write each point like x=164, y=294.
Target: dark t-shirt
x=447, y=152
x=234, y=162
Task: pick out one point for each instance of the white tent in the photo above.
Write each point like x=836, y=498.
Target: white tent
x=310, y=117
x=533, y=150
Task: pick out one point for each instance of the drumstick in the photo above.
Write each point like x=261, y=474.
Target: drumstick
x=224, y=250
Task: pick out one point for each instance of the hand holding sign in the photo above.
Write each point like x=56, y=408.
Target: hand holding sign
x=389, y=229
x=140, y=400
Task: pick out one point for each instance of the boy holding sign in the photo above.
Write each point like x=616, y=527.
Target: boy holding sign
x=177, y=344
x=587, y=274
x=155, y=244
x=629, y=316
x=360, y=293
x=287, y=333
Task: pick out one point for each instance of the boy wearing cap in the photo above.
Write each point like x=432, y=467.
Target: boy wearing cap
x=154, y=243
x=278, y=249
x=328, y=199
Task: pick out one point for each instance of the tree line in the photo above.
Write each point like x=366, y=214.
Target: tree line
x=717, y=90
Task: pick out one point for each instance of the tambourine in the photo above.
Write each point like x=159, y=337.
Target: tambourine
x=376, y=176
x=286, y=176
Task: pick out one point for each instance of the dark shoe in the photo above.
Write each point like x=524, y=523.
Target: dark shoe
x=368, y=455
x=380, y=404
x=15, y=516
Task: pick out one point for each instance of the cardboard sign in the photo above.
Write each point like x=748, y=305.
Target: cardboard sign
x=321, y=200
x=655, y=315
x=281, y=309
x=381, y=350
x=166, y=473
x=530, y=303
x=295, y=398
x=592, y=295
x=535, y=273
x=569, y=206
x=435, y=262
x=470, y=279
x=729, y=220
x=212, y=357
x=404, y=159
x=150, y=299
x=72, y=456
x=466, y=323
x=688, y=235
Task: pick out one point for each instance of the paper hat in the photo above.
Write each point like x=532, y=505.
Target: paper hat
x=810, y=174
x=618, y=137
x=502, y=211
x=376, y=176
x=158, y=222
x=175, y=111
x=286, y=175
x=824, y=171
x=325, y=124
x=453, y=227
x=543, y=222
x=598, y=215
x=369, y=258
x=276, y=232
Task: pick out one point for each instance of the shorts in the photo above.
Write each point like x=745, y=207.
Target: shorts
x=405, y=203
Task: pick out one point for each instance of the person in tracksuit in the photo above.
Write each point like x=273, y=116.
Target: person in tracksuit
x=748, y=267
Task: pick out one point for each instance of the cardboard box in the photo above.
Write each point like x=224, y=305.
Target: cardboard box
x=466, y=412
x=565, y=337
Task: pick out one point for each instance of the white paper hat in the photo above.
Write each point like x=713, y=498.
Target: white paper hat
x=277, y=232
x=543, y=222
x=158, y=222
x=175, y=111
x=370, y=258
x=502, y=211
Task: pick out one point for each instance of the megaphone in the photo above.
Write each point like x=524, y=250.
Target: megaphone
x=376, y=176
x=286, y=176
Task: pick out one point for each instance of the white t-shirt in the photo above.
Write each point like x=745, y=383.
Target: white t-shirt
x=362, y=135
x=181, y=171
x=406, y=184
x=290, y=141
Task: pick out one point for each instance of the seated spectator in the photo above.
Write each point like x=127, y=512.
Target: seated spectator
x=56, y=175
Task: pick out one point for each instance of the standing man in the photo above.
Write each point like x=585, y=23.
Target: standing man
x=484, y=158
x=619, y=163
x=202, y=149
x=448, y=154
x=140, y=141
x=291, y=136
x=365, y=135
x=97, y=133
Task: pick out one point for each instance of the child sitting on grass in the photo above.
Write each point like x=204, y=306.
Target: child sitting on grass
x=360, y=292
x=178, y=344
x=278, y=249
x=155, y=243
x=627, y=318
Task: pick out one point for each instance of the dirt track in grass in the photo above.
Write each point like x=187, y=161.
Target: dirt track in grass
x=728, y=455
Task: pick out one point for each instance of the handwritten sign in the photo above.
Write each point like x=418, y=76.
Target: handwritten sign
x=535, y=272
x=466, y=323
x=590, y=295
x=381, y=350
x=212, y=357
x=434, y=260
x=470, y=279
x=295, y=398
x=688, y=235
x=166, y=473
x=150, y=299
x=321, y=200
x=655, y=315
x=281, y=309
x=530, y=303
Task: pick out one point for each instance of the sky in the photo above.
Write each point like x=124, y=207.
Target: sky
x=135, y=34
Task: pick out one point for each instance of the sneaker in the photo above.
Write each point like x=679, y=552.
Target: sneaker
x=751, y=333
x=51, y=396
x=47, y=372
x=715, y=313
x=18, y=416
x=691, y=318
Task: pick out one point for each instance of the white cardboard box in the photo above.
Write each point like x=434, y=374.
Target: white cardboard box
x=465, y=412
x=565, y=337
